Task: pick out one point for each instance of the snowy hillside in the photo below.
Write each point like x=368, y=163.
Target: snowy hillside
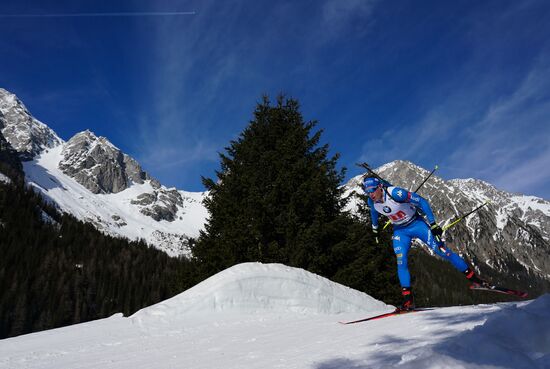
x=272, y=316
x=531, y=210
x=90, y=178
x=116, y=213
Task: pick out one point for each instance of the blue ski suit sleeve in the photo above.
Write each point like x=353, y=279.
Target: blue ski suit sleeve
x=373, y=214
x=402, y=195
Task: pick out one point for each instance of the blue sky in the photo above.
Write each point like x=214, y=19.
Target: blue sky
x=463, y=84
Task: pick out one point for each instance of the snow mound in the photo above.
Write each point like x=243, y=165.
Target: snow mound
x=256, y=287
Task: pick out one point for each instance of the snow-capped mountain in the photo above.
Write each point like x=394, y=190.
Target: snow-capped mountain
x=26, y=134
x=98, y=165
x=92, y=179
x=95, y=181
x=511, y=234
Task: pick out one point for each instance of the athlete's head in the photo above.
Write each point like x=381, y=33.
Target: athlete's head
x=373, y=188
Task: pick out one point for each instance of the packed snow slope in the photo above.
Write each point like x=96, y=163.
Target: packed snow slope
x=256, y=287
x=273, y=316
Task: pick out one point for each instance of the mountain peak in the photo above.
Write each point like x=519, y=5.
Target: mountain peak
x=405, y=174
x=71, y=174
x=8, y=99
x=90, y=137
x=400, y=165
x=26, y=135
x=87, y=133
x=99, y=165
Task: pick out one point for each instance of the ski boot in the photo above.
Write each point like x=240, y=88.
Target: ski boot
x=408, y=303
x=476, y=281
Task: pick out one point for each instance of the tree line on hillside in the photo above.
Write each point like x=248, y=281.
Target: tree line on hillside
x=10, y=165
x=56, y=270
x=277, y=198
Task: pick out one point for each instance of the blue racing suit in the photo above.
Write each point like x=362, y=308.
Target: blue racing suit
x=403, y=209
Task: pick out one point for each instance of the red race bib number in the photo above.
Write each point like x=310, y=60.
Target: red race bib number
x=398, y=216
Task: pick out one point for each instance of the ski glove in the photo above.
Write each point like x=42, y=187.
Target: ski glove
x=436, y=231
x=375, y=231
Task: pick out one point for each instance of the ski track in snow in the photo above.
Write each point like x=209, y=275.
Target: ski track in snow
x=244, y=329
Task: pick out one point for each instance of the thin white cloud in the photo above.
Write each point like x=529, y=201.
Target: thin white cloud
x=201, y=59
x=509, y=145
x=340, y=14
x=531, y=173
x=192, y=64
x=477, y=131
x=170, y=157
x=426, y=138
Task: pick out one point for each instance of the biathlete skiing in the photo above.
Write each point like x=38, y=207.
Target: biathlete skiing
x=411, y=217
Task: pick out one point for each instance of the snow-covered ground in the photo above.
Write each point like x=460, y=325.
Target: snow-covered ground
x=4, y=178
x=272, y=316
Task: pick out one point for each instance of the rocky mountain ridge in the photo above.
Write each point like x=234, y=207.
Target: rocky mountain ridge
x=99, y=165
x=92, y=179
x=509, y=235
x=27, y=135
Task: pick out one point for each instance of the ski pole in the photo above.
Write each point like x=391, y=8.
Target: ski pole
x=425, y=179
x=417, y=189
x=463, y=216
x=371, y=172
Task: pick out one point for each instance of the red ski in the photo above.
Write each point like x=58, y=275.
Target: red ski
x=386, y=315
x=498, y=289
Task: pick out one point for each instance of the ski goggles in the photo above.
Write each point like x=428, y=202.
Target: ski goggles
x=371, y=189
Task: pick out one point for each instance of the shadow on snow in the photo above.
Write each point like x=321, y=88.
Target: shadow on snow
x=512, y=338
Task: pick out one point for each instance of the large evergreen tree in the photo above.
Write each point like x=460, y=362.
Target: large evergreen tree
x=275, y=196
x=278, y=198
